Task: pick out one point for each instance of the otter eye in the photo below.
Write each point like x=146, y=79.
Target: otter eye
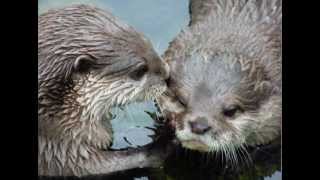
x=139, y=73
x=231, y=110
x=182, y=100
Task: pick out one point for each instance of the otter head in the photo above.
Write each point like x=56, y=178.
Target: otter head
x=225, y=80
x=222, y=102
x=90, y=62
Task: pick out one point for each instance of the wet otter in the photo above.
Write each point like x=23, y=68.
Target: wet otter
x=88, y=63
x=225, y=86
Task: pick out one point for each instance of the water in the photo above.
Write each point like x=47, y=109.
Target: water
x=161, y=21
x=130, y=124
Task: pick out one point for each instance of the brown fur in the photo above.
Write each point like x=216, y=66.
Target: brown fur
x=230, y=55
x=74, y=130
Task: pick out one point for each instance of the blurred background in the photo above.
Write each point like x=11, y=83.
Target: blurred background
x=159, y=20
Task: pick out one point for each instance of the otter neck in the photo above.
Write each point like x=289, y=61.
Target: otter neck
x=63, y=118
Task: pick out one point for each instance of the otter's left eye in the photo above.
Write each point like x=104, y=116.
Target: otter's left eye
x=139, y=73
x=231, y=110
x=182, y=101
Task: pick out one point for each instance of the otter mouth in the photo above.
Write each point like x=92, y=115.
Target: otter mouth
x=195, y=145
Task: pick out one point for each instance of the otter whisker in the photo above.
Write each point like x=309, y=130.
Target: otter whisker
x=225, y=152
x=249, y=159
x=242, y=156
x=227, y=155
x=248, y=154
x=230, y=151
x=235, y=156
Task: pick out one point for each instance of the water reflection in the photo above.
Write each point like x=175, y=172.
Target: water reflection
x=131, y=125
x=189, y=165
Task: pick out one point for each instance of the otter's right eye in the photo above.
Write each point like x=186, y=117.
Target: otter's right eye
x=181, y=100
x=139, y=73
x=231, y=110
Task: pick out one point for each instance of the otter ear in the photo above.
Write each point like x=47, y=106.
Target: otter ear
x=83, y=63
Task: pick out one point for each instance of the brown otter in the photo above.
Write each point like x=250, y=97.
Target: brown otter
x=225, y=85
x=88, y=63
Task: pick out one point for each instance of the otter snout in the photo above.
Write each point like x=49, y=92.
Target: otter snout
x=200, y=125
x=165, y=71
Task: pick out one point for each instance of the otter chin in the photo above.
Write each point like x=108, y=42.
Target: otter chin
x=195, y=145
x=225, y=81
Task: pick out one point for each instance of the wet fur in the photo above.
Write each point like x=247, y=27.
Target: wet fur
x=74, y=130
x=230, y=53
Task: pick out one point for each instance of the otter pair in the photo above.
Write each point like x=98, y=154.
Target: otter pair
x=224, y=86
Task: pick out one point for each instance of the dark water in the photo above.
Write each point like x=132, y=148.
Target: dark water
x=161, y=21
x=188, y=165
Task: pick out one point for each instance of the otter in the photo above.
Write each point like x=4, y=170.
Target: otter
x=89, y=62
x=225, y=86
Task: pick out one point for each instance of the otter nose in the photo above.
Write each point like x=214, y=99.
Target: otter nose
x=199, y=126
